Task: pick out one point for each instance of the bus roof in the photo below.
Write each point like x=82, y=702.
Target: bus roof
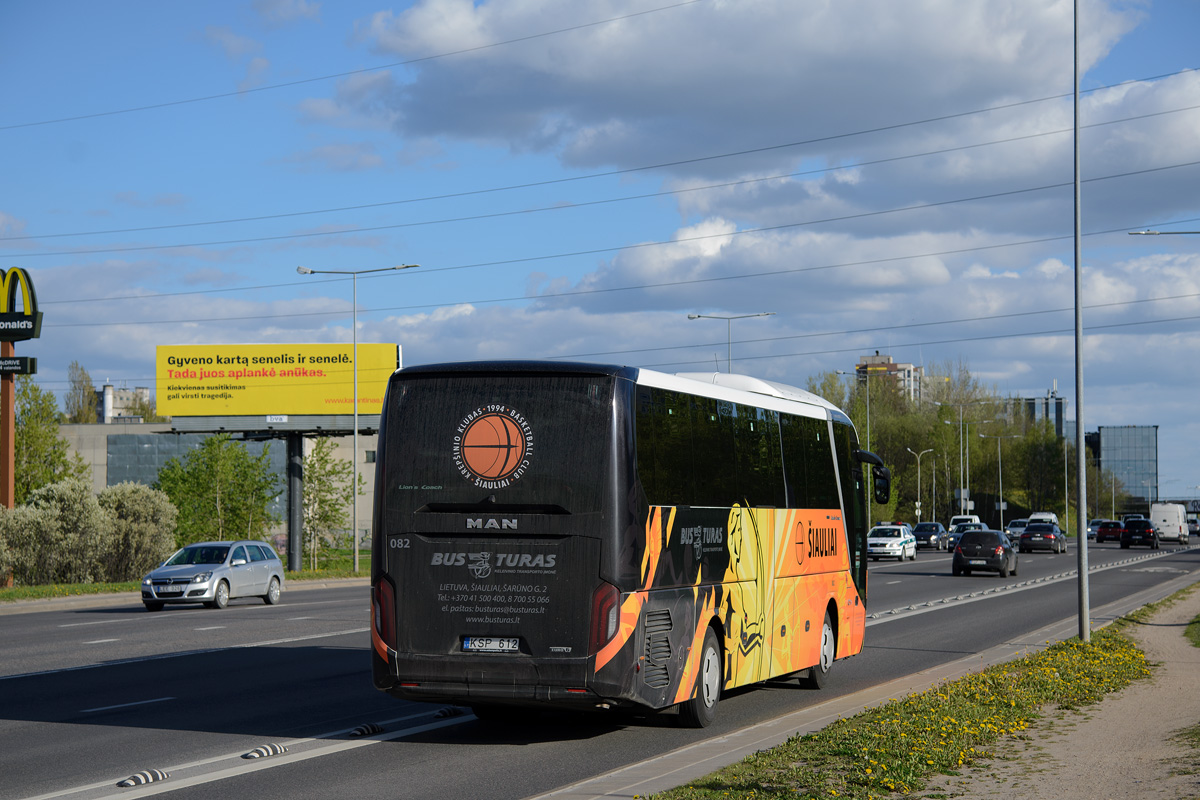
x=720, y=385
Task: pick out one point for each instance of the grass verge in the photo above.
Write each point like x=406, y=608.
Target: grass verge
x=336, y=565
x=893, y=750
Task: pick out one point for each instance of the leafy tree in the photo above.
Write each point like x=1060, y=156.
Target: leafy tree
x=42, y=456
x=221, y=491
x=327, y=496
x=829, y=386
x=81, y=397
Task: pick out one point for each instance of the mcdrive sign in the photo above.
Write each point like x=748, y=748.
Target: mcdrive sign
x=17, y=326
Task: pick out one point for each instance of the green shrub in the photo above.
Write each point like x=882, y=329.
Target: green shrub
x=141, y=531
x=81, y=526
x=67, y=535
x=32, y=537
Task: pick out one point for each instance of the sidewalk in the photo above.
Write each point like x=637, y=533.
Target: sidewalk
x=1121, y=749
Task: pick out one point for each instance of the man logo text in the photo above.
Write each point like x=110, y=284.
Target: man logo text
x=492, y=524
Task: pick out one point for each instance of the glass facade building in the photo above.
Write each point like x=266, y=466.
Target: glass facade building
x=1131, y=453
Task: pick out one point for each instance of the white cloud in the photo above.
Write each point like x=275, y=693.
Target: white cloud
x=233, y=45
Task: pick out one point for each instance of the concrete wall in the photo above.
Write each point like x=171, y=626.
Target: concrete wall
x=137, y=451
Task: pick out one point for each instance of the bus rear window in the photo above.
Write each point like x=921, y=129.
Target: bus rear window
x=537, y=441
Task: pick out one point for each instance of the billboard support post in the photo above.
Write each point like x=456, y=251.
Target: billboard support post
x=295, y=476
x=354, y=329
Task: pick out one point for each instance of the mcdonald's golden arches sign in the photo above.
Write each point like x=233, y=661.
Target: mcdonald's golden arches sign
x=16, y=326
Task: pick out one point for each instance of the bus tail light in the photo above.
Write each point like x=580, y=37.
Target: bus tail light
x=606, y=615
x=385, y=612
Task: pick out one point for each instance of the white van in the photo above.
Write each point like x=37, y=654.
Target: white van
x=1044, y=516
x=1170, y=520
x=961, y=518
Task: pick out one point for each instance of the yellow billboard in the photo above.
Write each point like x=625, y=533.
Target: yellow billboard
x=199, y=380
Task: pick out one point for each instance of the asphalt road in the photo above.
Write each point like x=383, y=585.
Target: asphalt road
x=94, y=694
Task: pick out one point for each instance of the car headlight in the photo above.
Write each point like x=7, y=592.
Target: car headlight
x=201, y=577
x=146, y=581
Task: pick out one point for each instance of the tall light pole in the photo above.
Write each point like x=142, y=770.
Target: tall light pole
x=354, y=332
x=918, y=455
x=729, y=330
x=1000, y=466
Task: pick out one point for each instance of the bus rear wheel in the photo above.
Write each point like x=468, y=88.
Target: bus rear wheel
x=818, y=675
x=702, y=708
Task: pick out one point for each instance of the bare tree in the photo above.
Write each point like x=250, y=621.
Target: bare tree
x=81, y=397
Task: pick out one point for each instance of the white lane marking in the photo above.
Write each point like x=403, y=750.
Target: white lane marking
x=298, y=752
x=102, y=641
x=211, y=628
x=126, y=705
x=162, y=656
x=159, y=617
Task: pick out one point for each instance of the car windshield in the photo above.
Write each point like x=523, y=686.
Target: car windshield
x=200, y=554
x=983, y=538
x=1038, y=527
x=885, y=533
x=926, y=527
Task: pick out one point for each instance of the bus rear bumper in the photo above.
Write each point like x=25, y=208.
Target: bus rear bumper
x=495, y=680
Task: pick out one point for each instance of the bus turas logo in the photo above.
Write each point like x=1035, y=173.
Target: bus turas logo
x=481, y=565
x=492, y=446
x=16, y=326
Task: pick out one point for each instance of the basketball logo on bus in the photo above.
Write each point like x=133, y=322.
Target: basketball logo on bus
x=492, y=446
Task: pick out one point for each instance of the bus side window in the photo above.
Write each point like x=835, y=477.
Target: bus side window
x=822, y=480
x=791, y=434
x=715, y=470
x=759, y=471
x=664, y=447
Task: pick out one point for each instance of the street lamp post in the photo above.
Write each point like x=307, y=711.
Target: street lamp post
x=1000, y=466
x=729, y=330
x=354, y=357
x=918, y=455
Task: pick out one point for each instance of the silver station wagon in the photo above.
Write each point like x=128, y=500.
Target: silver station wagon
x=214, y=572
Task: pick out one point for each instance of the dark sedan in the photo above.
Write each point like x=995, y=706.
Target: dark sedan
x=1139, y=532
x=1043, y=536
x=931, y=534
x=988, y=551
x=1109, y=529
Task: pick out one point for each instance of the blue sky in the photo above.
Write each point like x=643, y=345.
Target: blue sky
x=575, y=179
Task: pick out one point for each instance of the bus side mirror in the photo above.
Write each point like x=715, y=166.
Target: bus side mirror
x=881, y=477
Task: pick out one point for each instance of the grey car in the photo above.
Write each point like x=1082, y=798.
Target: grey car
x=984, y=550
x=214, y=572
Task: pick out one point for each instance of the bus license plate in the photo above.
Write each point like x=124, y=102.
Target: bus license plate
x=490, y=644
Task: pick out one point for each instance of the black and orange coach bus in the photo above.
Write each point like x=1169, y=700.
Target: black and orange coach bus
x=584, y=535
